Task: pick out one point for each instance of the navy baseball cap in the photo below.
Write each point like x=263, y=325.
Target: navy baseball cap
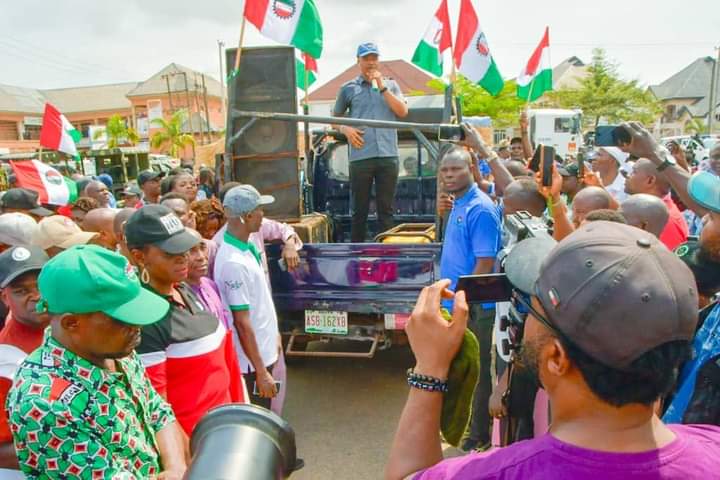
x=704, y=188
x=367, y=49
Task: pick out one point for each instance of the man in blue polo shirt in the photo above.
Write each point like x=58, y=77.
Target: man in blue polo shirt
x=373, y=151
x=470, y=245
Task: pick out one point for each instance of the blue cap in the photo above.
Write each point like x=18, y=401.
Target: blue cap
x=704, y=188
x=367, y=49
x=244, y=199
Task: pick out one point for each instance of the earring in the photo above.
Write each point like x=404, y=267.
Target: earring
x=145, y=276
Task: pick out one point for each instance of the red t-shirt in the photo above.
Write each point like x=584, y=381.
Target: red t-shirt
x=190, y=360
x=676, y=229
x=17, y=340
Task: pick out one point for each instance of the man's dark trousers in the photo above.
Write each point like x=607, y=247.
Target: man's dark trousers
x=481, y=324
x=384, y=172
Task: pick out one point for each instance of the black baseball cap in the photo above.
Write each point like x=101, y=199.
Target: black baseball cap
x=615, y=292
x=704, y=268
x=19, y=260
x=147, y=175
x=24, y=199
x=158, y=225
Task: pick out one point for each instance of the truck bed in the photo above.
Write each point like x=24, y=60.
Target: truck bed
x=365, y=278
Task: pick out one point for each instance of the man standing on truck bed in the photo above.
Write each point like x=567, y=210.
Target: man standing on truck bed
x=373, y=151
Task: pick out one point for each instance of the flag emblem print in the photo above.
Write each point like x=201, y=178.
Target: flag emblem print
x=284, y=8
x=54, y=177
x=482, y=45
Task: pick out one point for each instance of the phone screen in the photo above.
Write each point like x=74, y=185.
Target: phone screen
x=548, y=157
x=256, y=392
x=451, y=133
x=492, y=287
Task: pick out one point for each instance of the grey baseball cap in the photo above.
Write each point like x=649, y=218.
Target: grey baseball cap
x=522, y=265
x=244, y=199
x=616, y=292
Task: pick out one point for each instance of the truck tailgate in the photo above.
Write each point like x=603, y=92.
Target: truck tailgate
x=354, y=277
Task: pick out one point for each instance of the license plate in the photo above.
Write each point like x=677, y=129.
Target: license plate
x=332, y=323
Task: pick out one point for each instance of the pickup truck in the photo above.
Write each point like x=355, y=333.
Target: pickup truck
x=358, y=291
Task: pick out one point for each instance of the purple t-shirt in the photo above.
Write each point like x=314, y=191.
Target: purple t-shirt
x=695, y=453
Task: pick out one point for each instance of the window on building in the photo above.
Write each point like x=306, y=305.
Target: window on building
x=32, y=132
x=8, y=130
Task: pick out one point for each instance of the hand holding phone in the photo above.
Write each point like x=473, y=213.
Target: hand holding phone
x=611, y=136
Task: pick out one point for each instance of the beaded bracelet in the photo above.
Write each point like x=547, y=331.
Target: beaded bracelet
x=425, y=382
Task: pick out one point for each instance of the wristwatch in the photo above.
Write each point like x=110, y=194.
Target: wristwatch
x=669, y=161
x=384, y=89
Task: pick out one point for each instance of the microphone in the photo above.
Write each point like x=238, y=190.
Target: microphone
x=374, y=84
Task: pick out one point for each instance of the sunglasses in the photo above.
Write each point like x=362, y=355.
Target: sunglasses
x=525, y=304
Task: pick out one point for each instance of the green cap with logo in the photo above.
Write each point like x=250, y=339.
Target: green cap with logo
x=90, y=278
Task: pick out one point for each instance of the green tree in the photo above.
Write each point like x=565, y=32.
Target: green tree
x=171, y=138
x=603, y=95
x=504, y=110
x=118, y=133
x=695, y=125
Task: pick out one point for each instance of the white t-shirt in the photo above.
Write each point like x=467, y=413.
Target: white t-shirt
x=241, y=280
x=617, y=188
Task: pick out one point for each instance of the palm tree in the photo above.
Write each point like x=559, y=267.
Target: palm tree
x=696, y=125
x=170, y=137
x=117, y=132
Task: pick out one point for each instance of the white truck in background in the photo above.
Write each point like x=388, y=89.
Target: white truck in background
x=561, y=129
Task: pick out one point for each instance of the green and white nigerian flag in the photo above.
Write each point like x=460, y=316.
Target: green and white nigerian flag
x=292, y=22
x=472, y=53
x=437, y=39
x=536, y=77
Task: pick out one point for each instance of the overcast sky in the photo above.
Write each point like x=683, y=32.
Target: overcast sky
x=62, y=43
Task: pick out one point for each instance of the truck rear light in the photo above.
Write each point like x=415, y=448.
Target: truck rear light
x=396, y=321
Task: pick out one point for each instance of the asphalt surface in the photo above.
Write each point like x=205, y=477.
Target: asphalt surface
x=344, y=411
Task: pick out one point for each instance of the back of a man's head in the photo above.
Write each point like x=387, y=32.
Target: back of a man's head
x=120, y=219
x=517, y=169
x=605, y=215
x=646, y=212
x=523, y=194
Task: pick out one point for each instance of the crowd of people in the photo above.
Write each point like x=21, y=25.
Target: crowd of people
x=615, y=375
x=126, y=321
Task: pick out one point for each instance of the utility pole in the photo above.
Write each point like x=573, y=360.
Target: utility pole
x=207, y=111
x=196, y=99
x=167, y=82
x=221, y=49
x=189, y=106
x=713, y=89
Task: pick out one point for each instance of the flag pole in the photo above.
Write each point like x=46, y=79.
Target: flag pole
x=307, y=80
x=453, y=78
x=238, y=53
x=306, y=110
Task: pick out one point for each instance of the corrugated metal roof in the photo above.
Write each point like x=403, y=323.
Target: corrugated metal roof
x=692, y=81
x=176, y=75
x=102, y=97
x=21, y=100
x=91, y=99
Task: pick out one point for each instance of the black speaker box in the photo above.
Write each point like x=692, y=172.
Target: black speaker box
x=266, y=155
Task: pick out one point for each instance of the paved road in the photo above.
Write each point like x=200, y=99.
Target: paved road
x=345, y=411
